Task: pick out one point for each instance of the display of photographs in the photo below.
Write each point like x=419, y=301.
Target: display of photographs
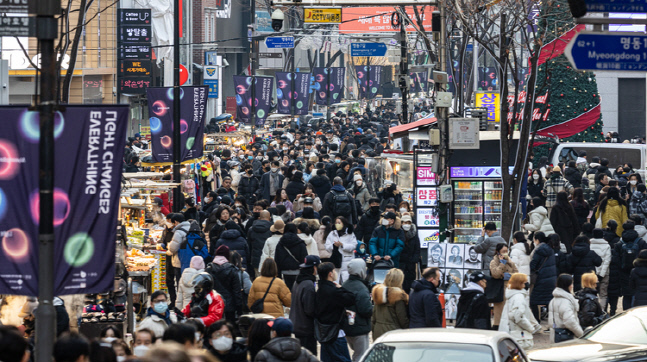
x=453, y=280
x=472, y=260
x=455, y=254
x=441, y=285
x=436, y=255
x=451, y=305
x=466, y=278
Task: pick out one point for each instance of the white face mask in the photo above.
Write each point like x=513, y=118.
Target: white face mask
x=140, y=351
x=359, y=182
x=121, y=358
x=535, y=177
x=222, y=343
x=403, y=209
x=274, y=169
x=406, y=227
x=633, y=182
x=385, y=222
x=109, y=339
x=197, y=337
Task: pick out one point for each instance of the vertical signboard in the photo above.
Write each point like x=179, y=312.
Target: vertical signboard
x=134, y=50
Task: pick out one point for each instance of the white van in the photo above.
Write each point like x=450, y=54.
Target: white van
x=616, y=153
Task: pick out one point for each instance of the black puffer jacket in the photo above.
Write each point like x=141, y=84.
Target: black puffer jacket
x=247, y=187
x=410, y=257
x=590, y=313
x=235, y=241
x=294, y=188
x=565, y=224
x=296, y=246
x=256, y=237
x=367, y=223
x=638, y=282
x=573, y=176
x=227, y=283
x=582, y=260
x=543, y=263
x=322, y=185
x=534, y=190
x=611, y=237
x=284, y=349
x=623, y=276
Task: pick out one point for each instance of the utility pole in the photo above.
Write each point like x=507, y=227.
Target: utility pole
x=177, y=140
x=252, y=64
x=46, y=313
x=404, y=69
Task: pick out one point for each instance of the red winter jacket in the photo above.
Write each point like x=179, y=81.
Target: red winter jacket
x=216, y=309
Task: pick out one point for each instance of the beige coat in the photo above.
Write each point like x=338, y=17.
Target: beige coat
x=517, y=318
x=562, y=313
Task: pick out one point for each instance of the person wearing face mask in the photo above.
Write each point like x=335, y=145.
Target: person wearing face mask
x=535, y=185
x=143, y=340
x=271, y=181
x=632, y=185
x=563, y=311
x=209, y=204
x=219, y=341
x=248, y=185
x=121, y=349
x=473, y=310
x=501, y=269
x=158, y=316
x=543, y=271
x=361, y=192
x=235, y=175
x=425, y=310
x=206, y=305
x=386, y=241
x=517, y=318
x=369, y=221
x=410, y=256
x=110, y=334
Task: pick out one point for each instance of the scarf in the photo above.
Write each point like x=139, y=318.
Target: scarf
x=274, y=182
x=166, y=317
x=474, y=286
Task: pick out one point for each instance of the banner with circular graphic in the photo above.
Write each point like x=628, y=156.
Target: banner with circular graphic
x=286, y=96
x=89, y=150
x=193, y=107
x=262, y=94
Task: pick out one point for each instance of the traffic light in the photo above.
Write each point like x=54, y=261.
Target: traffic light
x=481, y=114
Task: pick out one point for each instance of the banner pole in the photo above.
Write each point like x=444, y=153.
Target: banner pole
x=177, y=150
x=46, y=313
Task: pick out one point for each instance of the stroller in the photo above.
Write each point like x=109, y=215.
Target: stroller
x=379, y=268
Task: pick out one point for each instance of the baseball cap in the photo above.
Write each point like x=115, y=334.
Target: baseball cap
x=310, y=261
x=282, y=326
x=477, y=277
x=390, y=215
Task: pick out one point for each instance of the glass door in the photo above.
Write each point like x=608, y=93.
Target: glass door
x=493, y=193
x=468, y=211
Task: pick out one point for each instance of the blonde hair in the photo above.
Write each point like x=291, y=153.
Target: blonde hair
x=589, y=280
x=517, y=281
x=394, y=278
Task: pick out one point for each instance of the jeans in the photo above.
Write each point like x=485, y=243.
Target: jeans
x=309, y=343
x=359, y=345
x=336, y=351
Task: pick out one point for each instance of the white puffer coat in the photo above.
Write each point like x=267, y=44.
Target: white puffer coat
x=185, y=287
x=517, y=318
x=347, y=250
x=519, y=257
x=562, y=313
x=603, y=249
x=539, y=221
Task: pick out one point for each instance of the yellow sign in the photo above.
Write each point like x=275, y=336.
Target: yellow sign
x=492, y=102
x=322, y=15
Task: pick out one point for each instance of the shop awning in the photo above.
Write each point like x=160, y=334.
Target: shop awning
x=409, y=126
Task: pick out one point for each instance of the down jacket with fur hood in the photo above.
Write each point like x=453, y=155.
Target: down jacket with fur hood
x=517, y=318
x=563, y=313
x=390, y=311
x=185, y=287
x=539, y=221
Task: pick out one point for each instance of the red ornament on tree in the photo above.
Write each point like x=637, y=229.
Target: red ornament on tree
x=561, y=95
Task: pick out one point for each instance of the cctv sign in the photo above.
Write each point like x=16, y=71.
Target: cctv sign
x=322, y=15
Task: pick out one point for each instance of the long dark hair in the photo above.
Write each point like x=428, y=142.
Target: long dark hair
x=348, y=227
x=278, y=197
x=578, y=197
x=555, y=241
x=327, y=222
x=539, y=235
x=541, y=179
x=562, y=201
x=613, y=194
x=521, y=238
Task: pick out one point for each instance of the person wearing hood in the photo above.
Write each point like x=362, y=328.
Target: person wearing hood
x=602, y=248
x=640, y=228
x=248, y=185
x=158, y=316
x=180, y=230
x=361, y=192
x=271, y=181
x=369, y=221
x=613, y=207
x=517, y=318
x=227, y=283
x=339, y=202
x=544, y=265
x=627, y=248
x=410, y=256
x=219, y=341
x=320, y=182
x=573, y=175
x=473, y=310
x=185, y=289
x=233, y=238
x=638, y=202
x=305, y=233
x=590, y=313
x=302, y=308
x=563, y=312
x=282, y=347
x=486, y=244
x=425, y=310
x=391, y=304
x=256, y=237
x=235, y=174
x=343, y=238
x=553, y=186
x=538, y=218
x=290, y=251
x=582, y=260
x=358, y=324
x=520, y=253
x=387, y=242
x=269, y=248
x=582, y=163
x=361, y=252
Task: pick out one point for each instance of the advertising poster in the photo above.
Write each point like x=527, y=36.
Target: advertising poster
x=428, y=236
x=336, y=86
x=427, y=218
x=286, y=96
x=427, y=196
x=89, y=148
x=193, y=107
x=425, y=176
x=320, y=84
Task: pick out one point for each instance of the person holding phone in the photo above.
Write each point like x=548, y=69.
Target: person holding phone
x=501, y=268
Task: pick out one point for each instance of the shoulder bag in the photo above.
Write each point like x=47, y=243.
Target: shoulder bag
x=325, y=333
x=561, y=334
x=257, y=306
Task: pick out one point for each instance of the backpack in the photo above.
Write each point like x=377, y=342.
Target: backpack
x=342, y=204
x=193, y=245
x=629, y=253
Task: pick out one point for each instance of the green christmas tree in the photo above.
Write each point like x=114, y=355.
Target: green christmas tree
x=569, y=93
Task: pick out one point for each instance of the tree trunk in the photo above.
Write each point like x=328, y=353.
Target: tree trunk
x=73, y=53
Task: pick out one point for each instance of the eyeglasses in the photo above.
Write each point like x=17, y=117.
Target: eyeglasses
x=160, y=300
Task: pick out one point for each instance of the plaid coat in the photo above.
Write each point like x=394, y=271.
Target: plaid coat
x=554, y=185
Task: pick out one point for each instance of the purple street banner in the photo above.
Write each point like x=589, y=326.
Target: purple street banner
x=285, y=95
x=362, y=76
x=336, y=86
x=193, y=107
x=320, y=85
x=262, y=93
x=369, y=78
x=487, y=79
x=89, y=149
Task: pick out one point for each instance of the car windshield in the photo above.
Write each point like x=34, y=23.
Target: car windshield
x=627, y=328
x=437, y=352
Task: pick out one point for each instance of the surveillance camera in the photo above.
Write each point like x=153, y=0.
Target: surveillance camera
x=277, y=20
x=225, y=63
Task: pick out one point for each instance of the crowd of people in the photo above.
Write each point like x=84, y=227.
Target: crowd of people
x=289, y=227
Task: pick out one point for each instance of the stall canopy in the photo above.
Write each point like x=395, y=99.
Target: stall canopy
x=400, y=131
